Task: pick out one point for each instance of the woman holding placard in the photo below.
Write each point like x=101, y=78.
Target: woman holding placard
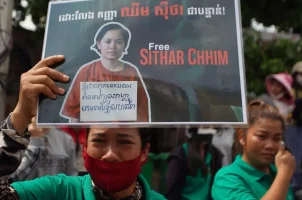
x=111, y=42
x=113, y=157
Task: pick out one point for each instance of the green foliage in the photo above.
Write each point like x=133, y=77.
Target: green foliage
x=264, y=58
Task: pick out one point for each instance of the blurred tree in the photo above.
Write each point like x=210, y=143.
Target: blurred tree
x=263, y=58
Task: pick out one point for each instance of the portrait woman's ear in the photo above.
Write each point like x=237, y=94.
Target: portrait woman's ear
x=145, y=153
x=98, y=44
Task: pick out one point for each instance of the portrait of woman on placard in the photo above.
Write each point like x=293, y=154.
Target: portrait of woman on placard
x=111, y=42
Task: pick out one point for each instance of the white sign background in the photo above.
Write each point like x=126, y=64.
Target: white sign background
x=108, y=101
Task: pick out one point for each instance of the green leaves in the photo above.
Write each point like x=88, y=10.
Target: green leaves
x=264, y=58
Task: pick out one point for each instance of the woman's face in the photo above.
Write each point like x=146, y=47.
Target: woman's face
x=261, y=142
x=115, y=144
x=112, y=45
x=277, y=88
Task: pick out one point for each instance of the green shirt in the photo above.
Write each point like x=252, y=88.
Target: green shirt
x=197, y=188
x=62, y=187
x=240, y=181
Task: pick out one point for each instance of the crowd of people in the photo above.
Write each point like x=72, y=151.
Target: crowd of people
x=262, y=161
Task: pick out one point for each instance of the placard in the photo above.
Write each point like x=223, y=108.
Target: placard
x=185, y=57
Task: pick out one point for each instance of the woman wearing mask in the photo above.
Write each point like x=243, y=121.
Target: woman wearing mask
x=192, y=166
x=113, y=157
x=111, y=43
x=279, y=94
x=253, y=175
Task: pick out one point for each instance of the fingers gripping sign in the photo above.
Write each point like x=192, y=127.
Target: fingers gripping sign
x=38, y=80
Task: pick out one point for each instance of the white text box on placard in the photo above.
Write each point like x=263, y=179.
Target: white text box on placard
x=108, y=101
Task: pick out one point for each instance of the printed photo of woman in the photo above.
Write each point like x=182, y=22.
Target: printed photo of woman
x=111, y=43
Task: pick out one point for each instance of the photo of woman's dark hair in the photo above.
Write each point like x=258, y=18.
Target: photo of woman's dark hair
x=111, y=26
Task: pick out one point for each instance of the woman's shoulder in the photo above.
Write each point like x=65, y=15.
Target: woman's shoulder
x=130, y=68
x=149, y=193
x=90, y=64
x=229, y=170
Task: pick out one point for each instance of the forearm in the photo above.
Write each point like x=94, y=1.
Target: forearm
x=11, y=145
x=279, y=188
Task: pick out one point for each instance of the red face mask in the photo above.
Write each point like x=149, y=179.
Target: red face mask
x=112, y=176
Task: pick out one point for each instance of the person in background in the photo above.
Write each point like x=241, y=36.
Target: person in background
x=79, y=137
x=50, y=152
x=293, y=132
x=224, y=140
x=113, y=157
x=253, y=175
x=279, y=94
x=192, y=166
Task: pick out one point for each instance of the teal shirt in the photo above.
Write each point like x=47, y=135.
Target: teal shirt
x=197, y=188
x=62, y=187
x=240, y=181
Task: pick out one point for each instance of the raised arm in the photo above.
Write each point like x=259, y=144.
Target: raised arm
x=14, y=136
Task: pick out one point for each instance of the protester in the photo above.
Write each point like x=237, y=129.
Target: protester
x=50, y=152
x=279, y=94
x=293, y=132
x=223, y=141
x=192, y=166
x=79, y=136
x=253, y=174
x=113, y=157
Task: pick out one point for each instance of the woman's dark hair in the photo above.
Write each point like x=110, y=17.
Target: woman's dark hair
x=257, y=110
x=144, y=133
x=110, y=27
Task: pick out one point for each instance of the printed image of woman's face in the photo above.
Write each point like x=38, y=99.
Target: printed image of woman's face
x=112, y=45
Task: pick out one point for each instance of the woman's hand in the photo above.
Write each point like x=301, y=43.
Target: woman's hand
x=38, y=80
x=285, y=162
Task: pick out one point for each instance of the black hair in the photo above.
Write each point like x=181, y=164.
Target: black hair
x=144, y=133
x=257, y=110
x=109, y=27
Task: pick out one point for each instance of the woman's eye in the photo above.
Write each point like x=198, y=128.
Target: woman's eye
x=125, y=142
x=98, y=140
x=278, y=139
x=108, y=41
x=119, y=42
x=261, y=136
